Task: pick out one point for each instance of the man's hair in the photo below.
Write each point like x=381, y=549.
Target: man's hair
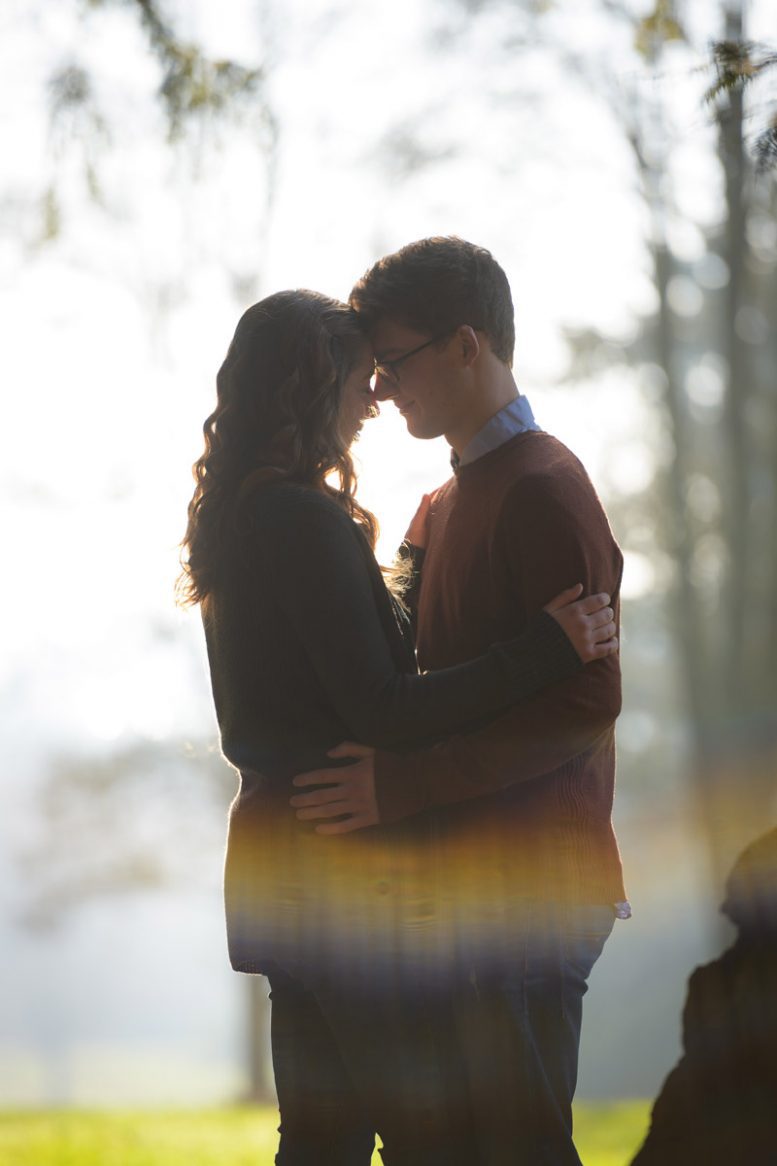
x=437, y=284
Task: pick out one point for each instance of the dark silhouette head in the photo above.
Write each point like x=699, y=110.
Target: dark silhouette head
x=751, y=889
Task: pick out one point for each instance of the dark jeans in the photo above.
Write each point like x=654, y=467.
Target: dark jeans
x=373, y=1054
x=520, y=1030
x=480, y=1071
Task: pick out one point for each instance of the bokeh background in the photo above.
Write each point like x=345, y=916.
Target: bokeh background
x=164, y=164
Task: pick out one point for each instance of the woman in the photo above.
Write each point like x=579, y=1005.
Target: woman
x=308, y=647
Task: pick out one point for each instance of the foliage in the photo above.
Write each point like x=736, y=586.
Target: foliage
x=737, y=64
x=658, y=27
x=193, y=90
x=765, y=148
x=607, y=1135
x=191, y=82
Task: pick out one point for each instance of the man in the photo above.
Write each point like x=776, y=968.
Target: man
x=528, y=875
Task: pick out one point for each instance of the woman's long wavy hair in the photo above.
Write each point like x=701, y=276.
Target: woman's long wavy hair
x=276, y=418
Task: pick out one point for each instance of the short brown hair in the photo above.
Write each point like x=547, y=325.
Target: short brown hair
x=438, y=284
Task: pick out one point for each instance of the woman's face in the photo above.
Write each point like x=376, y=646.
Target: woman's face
x=358, y=400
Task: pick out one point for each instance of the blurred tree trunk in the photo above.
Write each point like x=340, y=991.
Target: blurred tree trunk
x=737, y=736
x=724, y=599
x=260, y=1084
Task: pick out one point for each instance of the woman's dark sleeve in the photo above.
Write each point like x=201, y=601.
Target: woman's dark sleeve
x=321, y=581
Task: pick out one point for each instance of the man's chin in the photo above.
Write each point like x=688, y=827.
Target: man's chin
x=416, y=429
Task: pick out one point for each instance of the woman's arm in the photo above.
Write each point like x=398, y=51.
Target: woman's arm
x=320, y=578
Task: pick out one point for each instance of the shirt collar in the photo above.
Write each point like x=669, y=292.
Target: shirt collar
x=517, y=417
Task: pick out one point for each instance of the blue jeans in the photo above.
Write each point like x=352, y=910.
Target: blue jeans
x=360, y=1055
x=520, y=1029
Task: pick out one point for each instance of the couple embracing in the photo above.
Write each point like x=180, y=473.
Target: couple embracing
x=420, y=856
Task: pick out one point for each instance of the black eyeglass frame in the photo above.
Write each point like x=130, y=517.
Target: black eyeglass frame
x=388, y=368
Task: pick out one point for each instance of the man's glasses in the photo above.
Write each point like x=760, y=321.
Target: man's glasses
x=387, y=369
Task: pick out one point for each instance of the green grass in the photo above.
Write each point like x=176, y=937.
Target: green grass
x=610, y=1135
x=607, y=1135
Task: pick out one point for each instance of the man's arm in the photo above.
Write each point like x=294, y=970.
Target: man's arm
x=553, y=529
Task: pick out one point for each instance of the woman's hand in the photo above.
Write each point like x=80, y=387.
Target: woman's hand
x=347, y=794
x=418, y=531
x=588, y=622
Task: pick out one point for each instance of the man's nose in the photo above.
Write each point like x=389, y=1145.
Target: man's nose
x=382, y=388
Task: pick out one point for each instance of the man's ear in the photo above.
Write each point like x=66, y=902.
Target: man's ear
x=469, y=345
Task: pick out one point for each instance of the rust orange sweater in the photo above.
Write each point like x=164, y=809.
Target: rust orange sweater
x=524, y=802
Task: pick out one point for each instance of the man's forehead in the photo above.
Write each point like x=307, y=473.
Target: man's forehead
x=391, y=337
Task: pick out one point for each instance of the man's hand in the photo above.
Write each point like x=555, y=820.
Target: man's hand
x=589, y=623
x=350, y=791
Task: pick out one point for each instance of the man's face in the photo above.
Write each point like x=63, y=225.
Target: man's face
x=421, y=387
x=357, y=401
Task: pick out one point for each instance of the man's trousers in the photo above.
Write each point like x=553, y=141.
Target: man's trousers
x=520, y=1028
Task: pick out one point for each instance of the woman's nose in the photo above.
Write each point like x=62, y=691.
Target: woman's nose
x=382, y=387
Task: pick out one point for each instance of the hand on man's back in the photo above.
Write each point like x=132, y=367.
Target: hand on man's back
x=347, y=794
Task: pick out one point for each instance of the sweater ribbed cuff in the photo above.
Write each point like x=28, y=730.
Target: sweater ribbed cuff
x=542, y=655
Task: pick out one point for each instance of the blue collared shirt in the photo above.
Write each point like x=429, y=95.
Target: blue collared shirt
x=517, y=417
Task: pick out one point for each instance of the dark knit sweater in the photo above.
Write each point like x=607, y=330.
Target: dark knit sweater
x=508, y=532
x=307, y=649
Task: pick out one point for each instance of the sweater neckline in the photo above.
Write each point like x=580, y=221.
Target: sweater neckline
x=469, y=469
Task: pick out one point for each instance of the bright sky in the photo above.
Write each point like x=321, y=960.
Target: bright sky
x=115, y=330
